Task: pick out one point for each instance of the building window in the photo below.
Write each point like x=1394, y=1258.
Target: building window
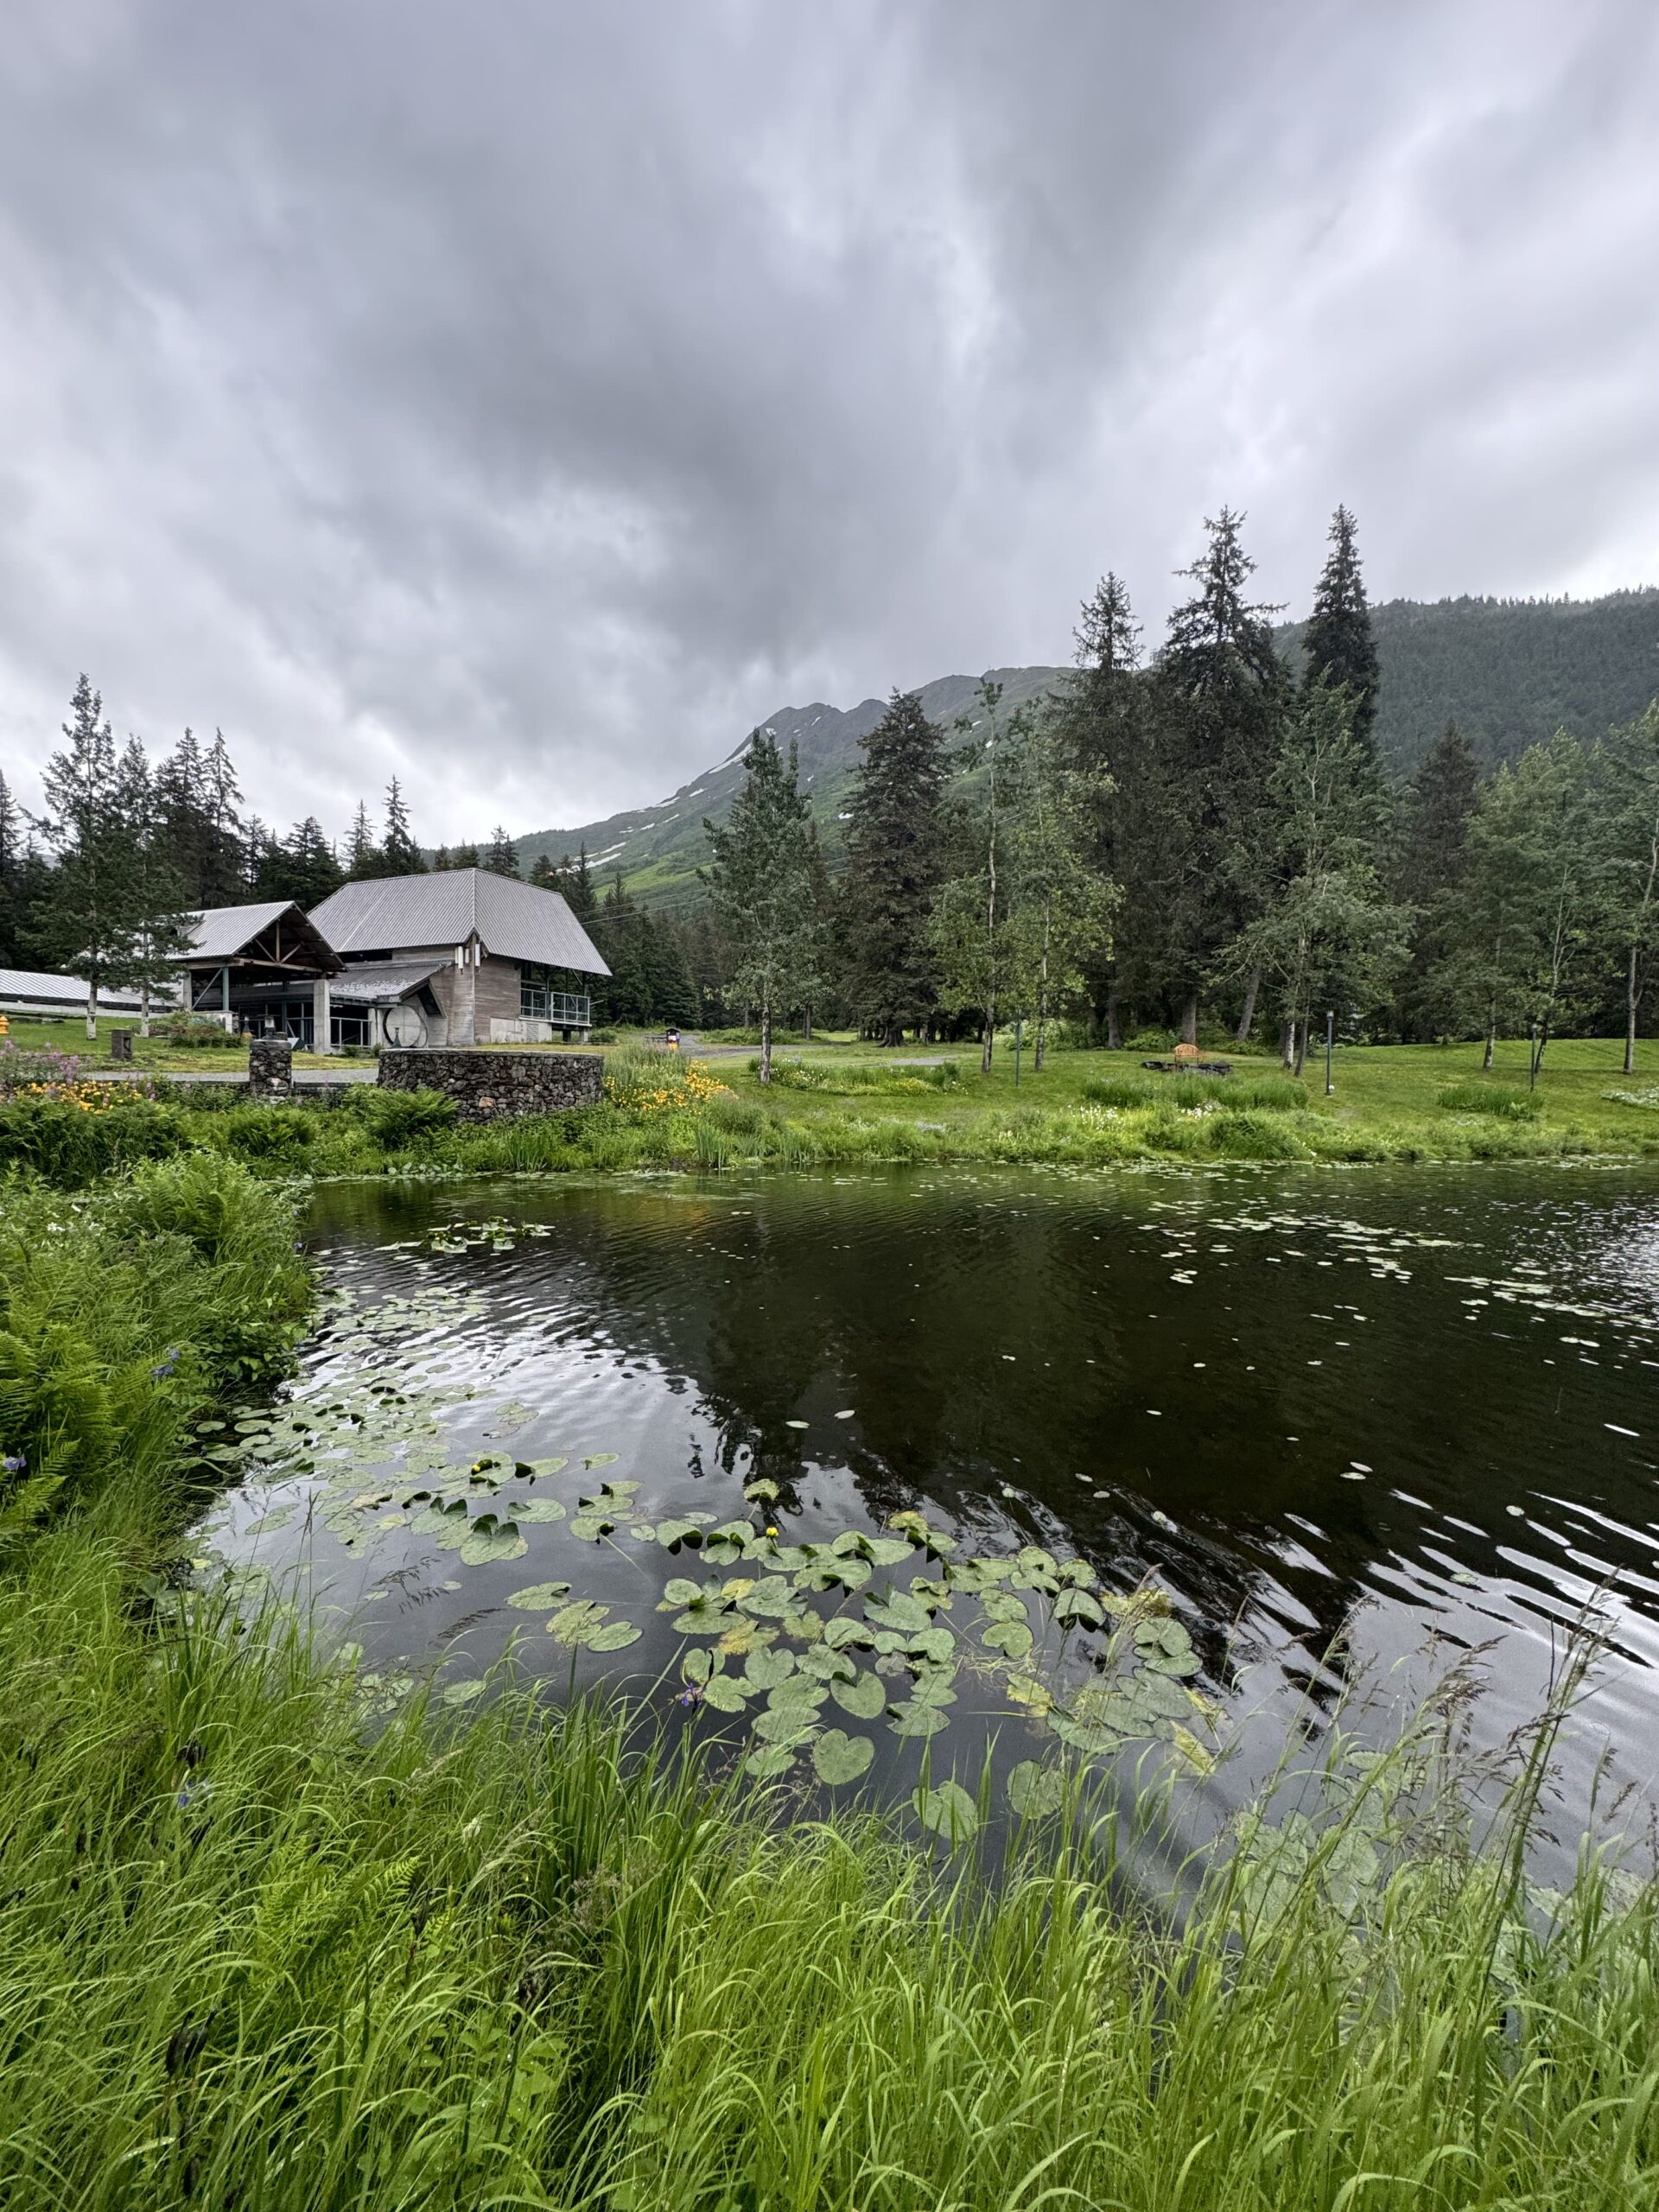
x=539, y=1001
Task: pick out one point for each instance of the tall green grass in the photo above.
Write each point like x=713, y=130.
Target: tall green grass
x=1273, y=1094
x=1493, y=1098
x=258, y=1950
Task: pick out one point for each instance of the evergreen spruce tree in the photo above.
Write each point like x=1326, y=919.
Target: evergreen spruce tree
x=1338, y=642
x=301, y=867
x=502, y=858
x=442, y=861
x=708, y=967
x=364, y=858
x=578, y=886
x=1431, y=863
x=760, y=878
x=1221, y=695
x=546, y=873
x=181, y=794
x=159, y=920
x=400, y=853
x=895, y=858
x=224, y=859
x=1625, y=797
x=87, y=924
x=464, y=856
x=11, y=860
x=1102, y=729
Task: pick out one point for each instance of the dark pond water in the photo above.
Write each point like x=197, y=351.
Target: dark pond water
x=1343, y=1426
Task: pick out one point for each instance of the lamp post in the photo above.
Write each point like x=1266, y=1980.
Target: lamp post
x=1018, y=1040
x=1330, y=1036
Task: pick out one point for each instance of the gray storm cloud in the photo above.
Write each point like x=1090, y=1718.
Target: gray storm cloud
x=522, y=399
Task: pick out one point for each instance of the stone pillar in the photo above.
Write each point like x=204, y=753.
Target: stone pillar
x=463, y=1017
x=270, y=1068
x=322, y=1016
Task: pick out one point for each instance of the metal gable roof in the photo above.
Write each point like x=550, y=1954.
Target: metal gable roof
x=516, y=920
x=29, y=987
x=220, y=932
x=374, y=981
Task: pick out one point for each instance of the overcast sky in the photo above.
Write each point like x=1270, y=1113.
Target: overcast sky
x=522, y=397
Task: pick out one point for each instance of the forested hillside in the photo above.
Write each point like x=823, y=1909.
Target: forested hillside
x=1509, y=673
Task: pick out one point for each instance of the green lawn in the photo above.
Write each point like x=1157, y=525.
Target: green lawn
x=1387, y=1093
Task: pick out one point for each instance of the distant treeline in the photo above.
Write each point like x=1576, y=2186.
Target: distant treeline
x=1207, y=837
x=1204, y=840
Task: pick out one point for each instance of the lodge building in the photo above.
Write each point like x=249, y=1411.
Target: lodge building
x=463, y=957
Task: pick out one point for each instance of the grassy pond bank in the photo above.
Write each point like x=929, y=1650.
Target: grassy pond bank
x=875, y=1688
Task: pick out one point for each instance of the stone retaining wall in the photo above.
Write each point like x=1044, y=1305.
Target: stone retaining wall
x=497, y=1086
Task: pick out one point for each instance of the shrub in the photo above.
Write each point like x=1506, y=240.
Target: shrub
x=604, y=1036
x=399, y=1119
x=1491, y=1099
x=644, y=1079
x=271, y=1135
x=197, y=1033
x=71, y=1143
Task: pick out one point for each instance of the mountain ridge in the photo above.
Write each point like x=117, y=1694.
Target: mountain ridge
x=1507, y=670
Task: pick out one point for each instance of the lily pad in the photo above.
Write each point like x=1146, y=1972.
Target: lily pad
x=1012, y=1636
x=838, y=1757
x=898, y=1610
x=948, y=1811
x=463, y=1693
x=787, y=1723
x=613, y=1637
x=770, y=1761
x=863, y=1697
x=489, y=1540
x=936, y=1643
x=1201, y=1760
x=671, y=1534
x=914, y=1719
x=539, y=1511
x=1035, y=1790
x=764, y=1669
x=537, y=1597
x=1075, y=1605
x=577, y=1625
x=768, y=1599
x=723, y=1694
x=604, y=1459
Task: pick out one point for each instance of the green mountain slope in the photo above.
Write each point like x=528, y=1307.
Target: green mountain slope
x=1508, y=671
x=658, y=849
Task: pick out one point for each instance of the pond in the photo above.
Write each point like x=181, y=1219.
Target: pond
x=874, y=1472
